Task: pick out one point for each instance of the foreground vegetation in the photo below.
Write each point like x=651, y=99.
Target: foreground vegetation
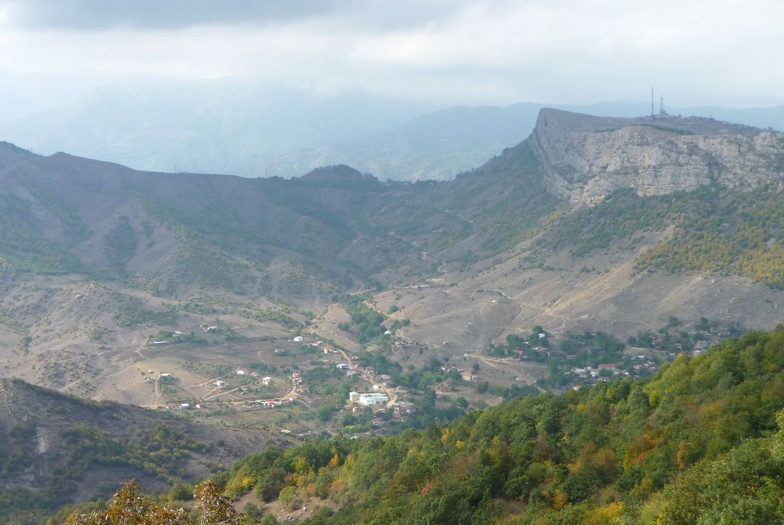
x=699, y=442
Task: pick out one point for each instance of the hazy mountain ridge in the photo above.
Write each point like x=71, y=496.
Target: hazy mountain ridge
x=205, y=128
x=436, y=145
x=252, y=130
x=80, y=210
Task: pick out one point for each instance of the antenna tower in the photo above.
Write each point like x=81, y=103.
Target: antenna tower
x=652, y=102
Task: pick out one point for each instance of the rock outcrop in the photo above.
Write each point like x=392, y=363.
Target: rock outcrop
x=585, y=158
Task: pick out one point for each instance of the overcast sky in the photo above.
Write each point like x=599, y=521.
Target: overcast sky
x=697, y=52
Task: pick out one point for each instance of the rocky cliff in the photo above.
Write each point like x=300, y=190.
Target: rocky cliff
x=585, y=158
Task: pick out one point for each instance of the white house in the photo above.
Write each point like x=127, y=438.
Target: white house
x=368, y=398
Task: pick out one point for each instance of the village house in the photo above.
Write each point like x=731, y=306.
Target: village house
x=405, y=409
x=368, y=398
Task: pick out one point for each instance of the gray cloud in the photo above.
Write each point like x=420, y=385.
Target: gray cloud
x=97, y=15
x=444, y=51
x=161, y=14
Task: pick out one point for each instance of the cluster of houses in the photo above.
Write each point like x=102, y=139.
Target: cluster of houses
x=181, y=406
x=596, y=371
x=716, y=334
x=642, y=365
x=273, y=403
x=376, y=398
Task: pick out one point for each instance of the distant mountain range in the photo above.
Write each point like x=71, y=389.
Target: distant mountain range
x=254, y=131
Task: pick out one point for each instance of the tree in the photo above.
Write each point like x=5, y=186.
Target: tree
x=324, y=413
x=252, y=512
x=213, y=506
x=130, y=507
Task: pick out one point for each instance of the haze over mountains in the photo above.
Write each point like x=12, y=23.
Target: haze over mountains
x=253, y=130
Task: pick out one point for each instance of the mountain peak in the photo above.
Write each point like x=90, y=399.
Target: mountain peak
x=567, y=121
x=585, y=158
x=338, y=172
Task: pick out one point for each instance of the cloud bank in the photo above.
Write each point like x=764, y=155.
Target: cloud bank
x=447, y=51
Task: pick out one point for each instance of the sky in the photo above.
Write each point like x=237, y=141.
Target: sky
x=447, y=52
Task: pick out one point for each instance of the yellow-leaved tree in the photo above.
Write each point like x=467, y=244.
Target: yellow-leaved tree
x=130, y=507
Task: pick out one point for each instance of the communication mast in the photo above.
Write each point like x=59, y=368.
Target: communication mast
x=652, y=114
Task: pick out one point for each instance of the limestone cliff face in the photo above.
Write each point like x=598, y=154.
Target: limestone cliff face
x=585, y=158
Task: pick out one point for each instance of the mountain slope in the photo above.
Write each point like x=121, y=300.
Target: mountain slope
x=56, y=449
x=712, y=253
x=434, y=146
x=492, y=253
x=699, y=441
x=253, y=130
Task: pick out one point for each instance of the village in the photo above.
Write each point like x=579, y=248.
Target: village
x=297, y=374
x=305, y=383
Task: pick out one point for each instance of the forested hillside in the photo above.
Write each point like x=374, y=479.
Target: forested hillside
x=56, y=449
x=715, y=231
x=700, y=442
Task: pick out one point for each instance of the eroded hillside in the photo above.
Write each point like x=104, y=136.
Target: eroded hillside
x=468, y=262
